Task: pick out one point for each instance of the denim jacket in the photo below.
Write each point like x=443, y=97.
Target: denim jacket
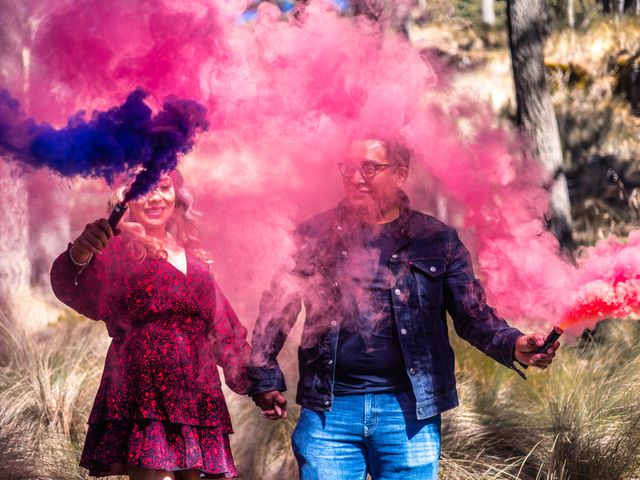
x=433, y=275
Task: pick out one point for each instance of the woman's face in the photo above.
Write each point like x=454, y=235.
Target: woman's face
x=154, y=210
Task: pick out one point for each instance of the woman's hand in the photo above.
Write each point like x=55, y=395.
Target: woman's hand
x=94, y=238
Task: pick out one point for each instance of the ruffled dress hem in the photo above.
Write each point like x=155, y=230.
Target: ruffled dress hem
x=112, y=446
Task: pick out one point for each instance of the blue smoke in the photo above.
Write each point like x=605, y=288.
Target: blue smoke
x=119, y=140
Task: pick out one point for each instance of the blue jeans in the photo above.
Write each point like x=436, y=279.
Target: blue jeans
x=375, y=433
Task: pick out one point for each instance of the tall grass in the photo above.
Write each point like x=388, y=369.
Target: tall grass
x=261, y=447
x=47, y=384
x=578, y=420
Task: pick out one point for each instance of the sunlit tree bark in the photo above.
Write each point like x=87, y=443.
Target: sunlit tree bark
x=15, y=267
x=488, y=12
x=526, y=22
x=571, y=14
x=35, y=224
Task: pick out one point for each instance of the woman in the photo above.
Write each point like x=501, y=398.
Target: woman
x=159, y=412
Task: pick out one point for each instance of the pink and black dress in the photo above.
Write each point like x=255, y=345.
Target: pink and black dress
x=160, y=403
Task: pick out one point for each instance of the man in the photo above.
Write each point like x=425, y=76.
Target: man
x=376, y=367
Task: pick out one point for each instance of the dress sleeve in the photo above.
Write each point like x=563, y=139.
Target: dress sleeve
x=230, y=340
x=84, y=288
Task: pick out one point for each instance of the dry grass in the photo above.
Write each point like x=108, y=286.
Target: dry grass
x=598, y=129
x=578, y=420
x=261, y=447
x=47, y=384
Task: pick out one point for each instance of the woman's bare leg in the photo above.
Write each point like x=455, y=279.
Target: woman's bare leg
x=192, y=474
x=149, y=474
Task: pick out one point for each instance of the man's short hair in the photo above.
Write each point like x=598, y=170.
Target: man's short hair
x=397, y=153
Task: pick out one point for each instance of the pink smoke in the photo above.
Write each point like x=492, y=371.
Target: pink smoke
x=287, y=96
x=608, y=283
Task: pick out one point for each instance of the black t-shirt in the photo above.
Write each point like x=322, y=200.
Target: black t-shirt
x=369, y=357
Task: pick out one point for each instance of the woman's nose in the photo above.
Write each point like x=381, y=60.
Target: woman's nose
x=154, y=195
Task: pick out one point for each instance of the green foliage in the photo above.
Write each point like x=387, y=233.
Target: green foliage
x=471, y=10
x=585, y=11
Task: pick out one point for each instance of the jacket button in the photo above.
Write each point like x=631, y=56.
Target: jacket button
x=330, y=362
x=344, y=253
x=420, y=410
x=412, y=371
x=433, y=269
x=327, y=403
x=334, y=323
x=395, y=255
x=339, y=227
x=397, y=291
x=403, y=331
x=335, y=284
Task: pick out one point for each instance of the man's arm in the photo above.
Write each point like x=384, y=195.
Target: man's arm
x=477, y=322
x=279, y=309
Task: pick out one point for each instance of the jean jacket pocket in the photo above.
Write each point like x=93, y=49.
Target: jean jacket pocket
x=429, y=273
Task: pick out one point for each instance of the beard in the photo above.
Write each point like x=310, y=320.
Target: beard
x=370, y=205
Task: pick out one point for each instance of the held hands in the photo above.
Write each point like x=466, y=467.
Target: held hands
x=94, y=238
x=525, y=351
x=272, y=403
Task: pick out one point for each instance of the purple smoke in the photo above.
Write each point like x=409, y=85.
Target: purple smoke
x=119, y=140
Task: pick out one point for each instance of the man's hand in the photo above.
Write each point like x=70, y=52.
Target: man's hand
x=525, y=349
x=272, y=403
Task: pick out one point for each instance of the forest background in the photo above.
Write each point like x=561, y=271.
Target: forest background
x=579, y=420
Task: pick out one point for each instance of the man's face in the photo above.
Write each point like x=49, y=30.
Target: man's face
x=370, y=181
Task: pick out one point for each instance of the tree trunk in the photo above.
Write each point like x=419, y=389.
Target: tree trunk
x=15, y=265
x=606, y=6
x=526, y=23
x=387, y=13
x=571, y=14
x=488, y=13
x=48, y=226
x=619, y=8
x=637, y=7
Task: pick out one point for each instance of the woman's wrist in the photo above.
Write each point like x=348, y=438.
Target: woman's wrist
x=79, y=259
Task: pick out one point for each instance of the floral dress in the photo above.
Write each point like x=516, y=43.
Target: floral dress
x=160, y=403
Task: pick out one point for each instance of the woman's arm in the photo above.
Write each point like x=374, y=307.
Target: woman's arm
x=230, y=338
x=80, y=274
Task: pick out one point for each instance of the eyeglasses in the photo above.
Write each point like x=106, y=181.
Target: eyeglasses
x=366, y=169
